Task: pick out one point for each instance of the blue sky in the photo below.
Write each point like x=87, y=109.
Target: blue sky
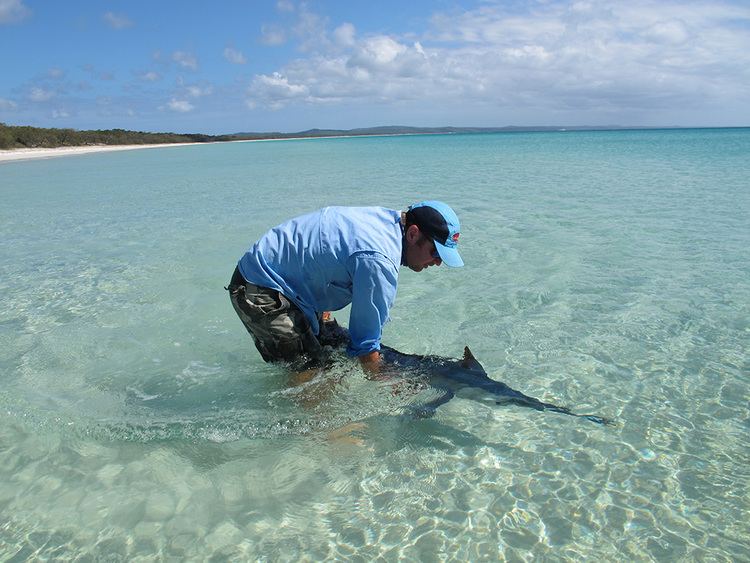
x=290, y=65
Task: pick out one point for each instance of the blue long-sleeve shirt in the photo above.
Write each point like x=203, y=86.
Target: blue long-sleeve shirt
x=330, y=258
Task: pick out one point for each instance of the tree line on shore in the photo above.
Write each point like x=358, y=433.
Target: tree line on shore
x=24, y=136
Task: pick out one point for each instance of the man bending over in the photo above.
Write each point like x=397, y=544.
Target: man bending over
x=287, y=282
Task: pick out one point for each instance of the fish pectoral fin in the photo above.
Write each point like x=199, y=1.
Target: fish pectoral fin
x=470, y=362
x=428, y=409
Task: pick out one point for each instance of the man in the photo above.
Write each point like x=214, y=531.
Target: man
x=284, y=286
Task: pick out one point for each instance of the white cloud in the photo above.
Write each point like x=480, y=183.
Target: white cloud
x=199, y=92
x=13, y=11
x=234, y=56
x=280, y=84
x=60, y=114
x=311, y=31
x=379, y=69
x=272, y=35
x=668, y=32
x=117, y=21
x=37, y=94
x=7, y=104
x=56, y=73
x=344, y=35
x=185, y=60
x=285, y=6
x=180, y=106
x=556, y=57
x=528, y=54
x=150, y=76
x=377, y=52
x=274, y=90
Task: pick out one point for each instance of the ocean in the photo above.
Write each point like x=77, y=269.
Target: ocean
x=607, y=271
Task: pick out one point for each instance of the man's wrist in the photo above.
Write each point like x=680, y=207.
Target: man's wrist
x=370, y=361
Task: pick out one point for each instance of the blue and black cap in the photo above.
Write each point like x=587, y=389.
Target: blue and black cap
x=437, y=221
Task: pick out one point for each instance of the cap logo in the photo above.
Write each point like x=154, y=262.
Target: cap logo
x=455, y=237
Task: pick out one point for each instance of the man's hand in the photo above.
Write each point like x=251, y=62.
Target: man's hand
x=370, y=363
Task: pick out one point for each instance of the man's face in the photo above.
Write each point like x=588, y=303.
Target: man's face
x=420, y=251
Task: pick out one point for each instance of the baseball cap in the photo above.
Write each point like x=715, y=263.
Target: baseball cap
x=437, y=221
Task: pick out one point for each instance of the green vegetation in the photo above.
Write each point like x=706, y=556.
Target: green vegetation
x=22, y=136
x=7, y=139
x=14, y=137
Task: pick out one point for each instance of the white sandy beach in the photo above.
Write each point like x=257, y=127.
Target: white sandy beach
x=32, y=154
x=29, y=154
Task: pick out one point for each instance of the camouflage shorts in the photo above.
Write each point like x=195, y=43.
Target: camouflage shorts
x=280, y=329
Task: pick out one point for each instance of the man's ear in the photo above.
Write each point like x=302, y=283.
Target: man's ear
x=412, y=234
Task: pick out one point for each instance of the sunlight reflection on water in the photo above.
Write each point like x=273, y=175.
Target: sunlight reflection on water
x=138, y=420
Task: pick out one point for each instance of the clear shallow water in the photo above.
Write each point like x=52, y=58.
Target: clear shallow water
x=606, y=271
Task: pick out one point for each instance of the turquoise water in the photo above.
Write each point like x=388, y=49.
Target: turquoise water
x=606, y=271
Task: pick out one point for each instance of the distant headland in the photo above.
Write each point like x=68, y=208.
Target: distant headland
x=26, y=137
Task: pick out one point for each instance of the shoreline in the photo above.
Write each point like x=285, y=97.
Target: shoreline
x=16, y=155
x=22, y=154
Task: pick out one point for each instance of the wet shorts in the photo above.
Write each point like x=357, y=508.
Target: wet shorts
x=280, y=329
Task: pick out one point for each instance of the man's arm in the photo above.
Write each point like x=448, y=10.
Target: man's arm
x=374, y=282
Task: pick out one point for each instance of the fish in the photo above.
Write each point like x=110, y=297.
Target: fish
x=451, y=376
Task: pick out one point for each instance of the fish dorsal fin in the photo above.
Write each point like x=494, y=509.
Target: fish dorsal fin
x=470, y=362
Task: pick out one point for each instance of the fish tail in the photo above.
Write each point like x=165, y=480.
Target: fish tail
x=522, y=400
x=592, y=417
x=555, y=408
x=598, y=419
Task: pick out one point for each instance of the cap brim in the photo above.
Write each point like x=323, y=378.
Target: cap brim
x=449, y=256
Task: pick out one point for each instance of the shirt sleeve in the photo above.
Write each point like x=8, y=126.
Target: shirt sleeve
x=374, y=282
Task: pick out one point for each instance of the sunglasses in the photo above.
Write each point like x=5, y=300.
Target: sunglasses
x=435, y=253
